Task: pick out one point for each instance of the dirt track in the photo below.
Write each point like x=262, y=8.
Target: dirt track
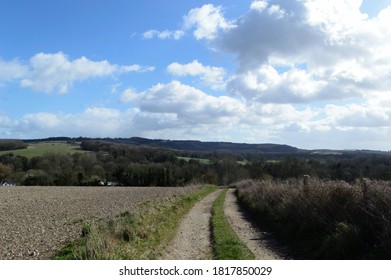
x=193, y=240
x=255, y=240
x=35, y=222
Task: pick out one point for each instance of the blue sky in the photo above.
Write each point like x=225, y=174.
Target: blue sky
x=308, y=73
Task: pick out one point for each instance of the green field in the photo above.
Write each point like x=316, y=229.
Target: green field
x=207, y=161
x=201, y=160
x=41, y=148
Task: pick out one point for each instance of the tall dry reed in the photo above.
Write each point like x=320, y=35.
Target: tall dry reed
x=324, y=219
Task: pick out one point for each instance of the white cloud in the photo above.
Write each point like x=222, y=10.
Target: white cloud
x=11, y=70
x=266, y=85
x=259, y=5
x=128, y=95
x=135, y=68
x=206, y=22
x=338, y=19
x=190, y=105
x=5, y=121
x=166, y=34
x=279, y=33
x=7, y=125
x=93, y=122
x=56, y=73
x=184, y=112
x=42, y=120
x=353, y=116
x=309, y=50
x=185, y=109
x=310, y=73
x=213, y=77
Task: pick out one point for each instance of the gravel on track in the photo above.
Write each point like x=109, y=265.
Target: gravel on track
x=36, y=222
x=192, y=241
x=258, y=242
x=193, y=238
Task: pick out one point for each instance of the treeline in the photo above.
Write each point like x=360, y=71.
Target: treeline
x=6, y=145
x=108, y=163
x=347, y=169
x=115, y=164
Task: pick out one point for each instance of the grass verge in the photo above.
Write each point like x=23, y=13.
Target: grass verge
x=226, y=244
x=140, y=234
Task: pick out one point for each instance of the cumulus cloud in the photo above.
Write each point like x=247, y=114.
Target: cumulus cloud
x=205, y=22
x=42, y=120
x=213, y=77
x=7, y=126
x=56, y=72
x=11, y=70
x=259, y=5
x=189, y=113
x=276, y=31
x=93, y=122
x=353, y=116
x=178, y=109
x=190, y=105
x=5, y=121
x=265, y=84
x=310, y=73
x=311, y=50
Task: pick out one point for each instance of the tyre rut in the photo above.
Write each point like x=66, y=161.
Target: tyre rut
x=257, y=241
x=192, y=241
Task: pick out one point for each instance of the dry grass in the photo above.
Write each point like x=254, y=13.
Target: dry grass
x=326, y=219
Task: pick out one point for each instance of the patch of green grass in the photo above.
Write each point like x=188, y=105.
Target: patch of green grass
x=41, y=148
x=326, y=152
x=226, y=244
x=200, y=160
x=243, y=162
x=140, y=234
x=207, y=161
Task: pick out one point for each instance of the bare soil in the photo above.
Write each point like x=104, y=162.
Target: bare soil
x=36, y=222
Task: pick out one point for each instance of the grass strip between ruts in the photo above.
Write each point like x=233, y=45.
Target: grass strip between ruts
x=226, y=244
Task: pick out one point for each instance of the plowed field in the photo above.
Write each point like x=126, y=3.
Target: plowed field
x=35, y=222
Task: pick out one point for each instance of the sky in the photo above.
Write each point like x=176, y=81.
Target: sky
x=307, y=73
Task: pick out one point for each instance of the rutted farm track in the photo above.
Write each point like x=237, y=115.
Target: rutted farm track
x=193, y=240
x=36, y=222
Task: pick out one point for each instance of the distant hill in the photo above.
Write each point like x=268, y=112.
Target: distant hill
x=188, y=145
x=194, y=145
